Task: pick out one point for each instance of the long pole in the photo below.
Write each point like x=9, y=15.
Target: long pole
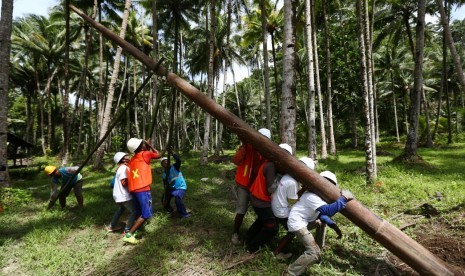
x=404, y=247
x=110, y=128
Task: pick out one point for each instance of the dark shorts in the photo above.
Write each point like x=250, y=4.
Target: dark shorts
x=144, y=201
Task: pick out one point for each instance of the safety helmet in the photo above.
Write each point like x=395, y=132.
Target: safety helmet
x=49, y=170
x=119, y=156
x=266, y=132
x=308, y=161
x=133, y=144
x=330, y=176
x=286, y=147
x=163, y=159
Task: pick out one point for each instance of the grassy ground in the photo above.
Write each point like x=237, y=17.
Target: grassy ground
x=36, y=241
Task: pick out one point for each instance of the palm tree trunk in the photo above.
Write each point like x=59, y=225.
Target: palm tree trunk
x=429, y=142
x=237, y=93
x=265, y=64
x=155, y=102
x=82, y=83
x=288, y=98
x=134, y=84
x=5, y=46
x=450, y=42
x=206, y=137
x=370, y=176
x=329, y=92
x=312, y=151
x=111, y=89
x=394, y=104
x=370, y=83
x=324, y=150
x=275, y=71
x=411, y=146
x=67, y=120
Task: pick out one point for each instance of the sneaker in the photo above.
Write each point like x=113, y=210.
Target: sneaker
x=235, y=239
x=113, y=229
x=137, y=234
x=130, y=239
x=283, y=256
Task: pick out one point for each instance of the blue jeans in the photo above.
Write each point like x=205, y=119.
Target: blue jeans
x=122, y=206
x=180, y=207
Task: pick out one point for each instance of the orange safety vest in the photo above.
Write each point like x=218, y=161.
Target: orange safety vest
x=244, y=170
x=258, y=188
x=140, y=173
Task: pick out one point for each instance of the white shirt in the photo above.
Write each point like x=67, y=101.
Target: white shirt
x=304, y=211
x=287, y=189
x=120, y=193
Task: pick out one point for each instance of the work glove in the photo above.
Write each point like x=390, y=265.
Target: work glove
x=347, y=195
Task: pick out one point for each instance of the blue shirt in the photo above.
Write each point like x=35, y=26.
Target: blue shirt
x=66, y=174
x=329, y=210
x=176, y=180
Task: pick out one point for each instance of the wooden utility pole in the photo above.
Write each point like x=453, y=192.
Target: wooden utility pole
x=404, y=247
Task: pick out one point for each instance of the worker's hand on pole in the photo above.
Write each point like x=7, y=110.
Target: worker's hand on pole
x=147, y=142
x=347, y=195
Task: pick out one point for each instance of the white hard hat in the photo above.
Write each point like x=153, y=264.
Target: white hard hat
x=330, y=176
x=266, y=132
x=309, y=162
x=133, y=144
x=163, y=159
x=286, y=147
x=119, y=156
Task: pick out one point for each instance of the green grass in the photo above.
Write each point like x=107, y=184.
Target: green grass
x=37, y=241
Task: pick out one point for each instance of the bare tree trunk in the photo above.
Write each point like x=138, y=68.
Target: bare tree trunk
x=134, y=84
x=211, y=88
x=275, y=71
x=67, y=120
x=324, y=150
x=450, y=42
x=411, y=146
x=155, y=101
x=329, y=92
x=429, y=142
x=265, y=64
x=288, y=98
x=370, y=176
x=237, y=94
x=111, y=89
x=370, y=83
x=312, y=151
x=394, y=104
x=5, y=46
x=82, y=81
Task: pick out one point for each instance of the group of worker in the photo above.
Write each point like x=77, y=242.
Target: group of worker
x=274, y=196
x=131, y=186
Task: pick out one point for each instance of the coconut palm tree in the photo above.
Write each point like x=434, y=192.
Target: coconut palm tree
x=288, y=98
x=370, y=172
x=5, y=45
x=111, y=89
x=410, y=150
